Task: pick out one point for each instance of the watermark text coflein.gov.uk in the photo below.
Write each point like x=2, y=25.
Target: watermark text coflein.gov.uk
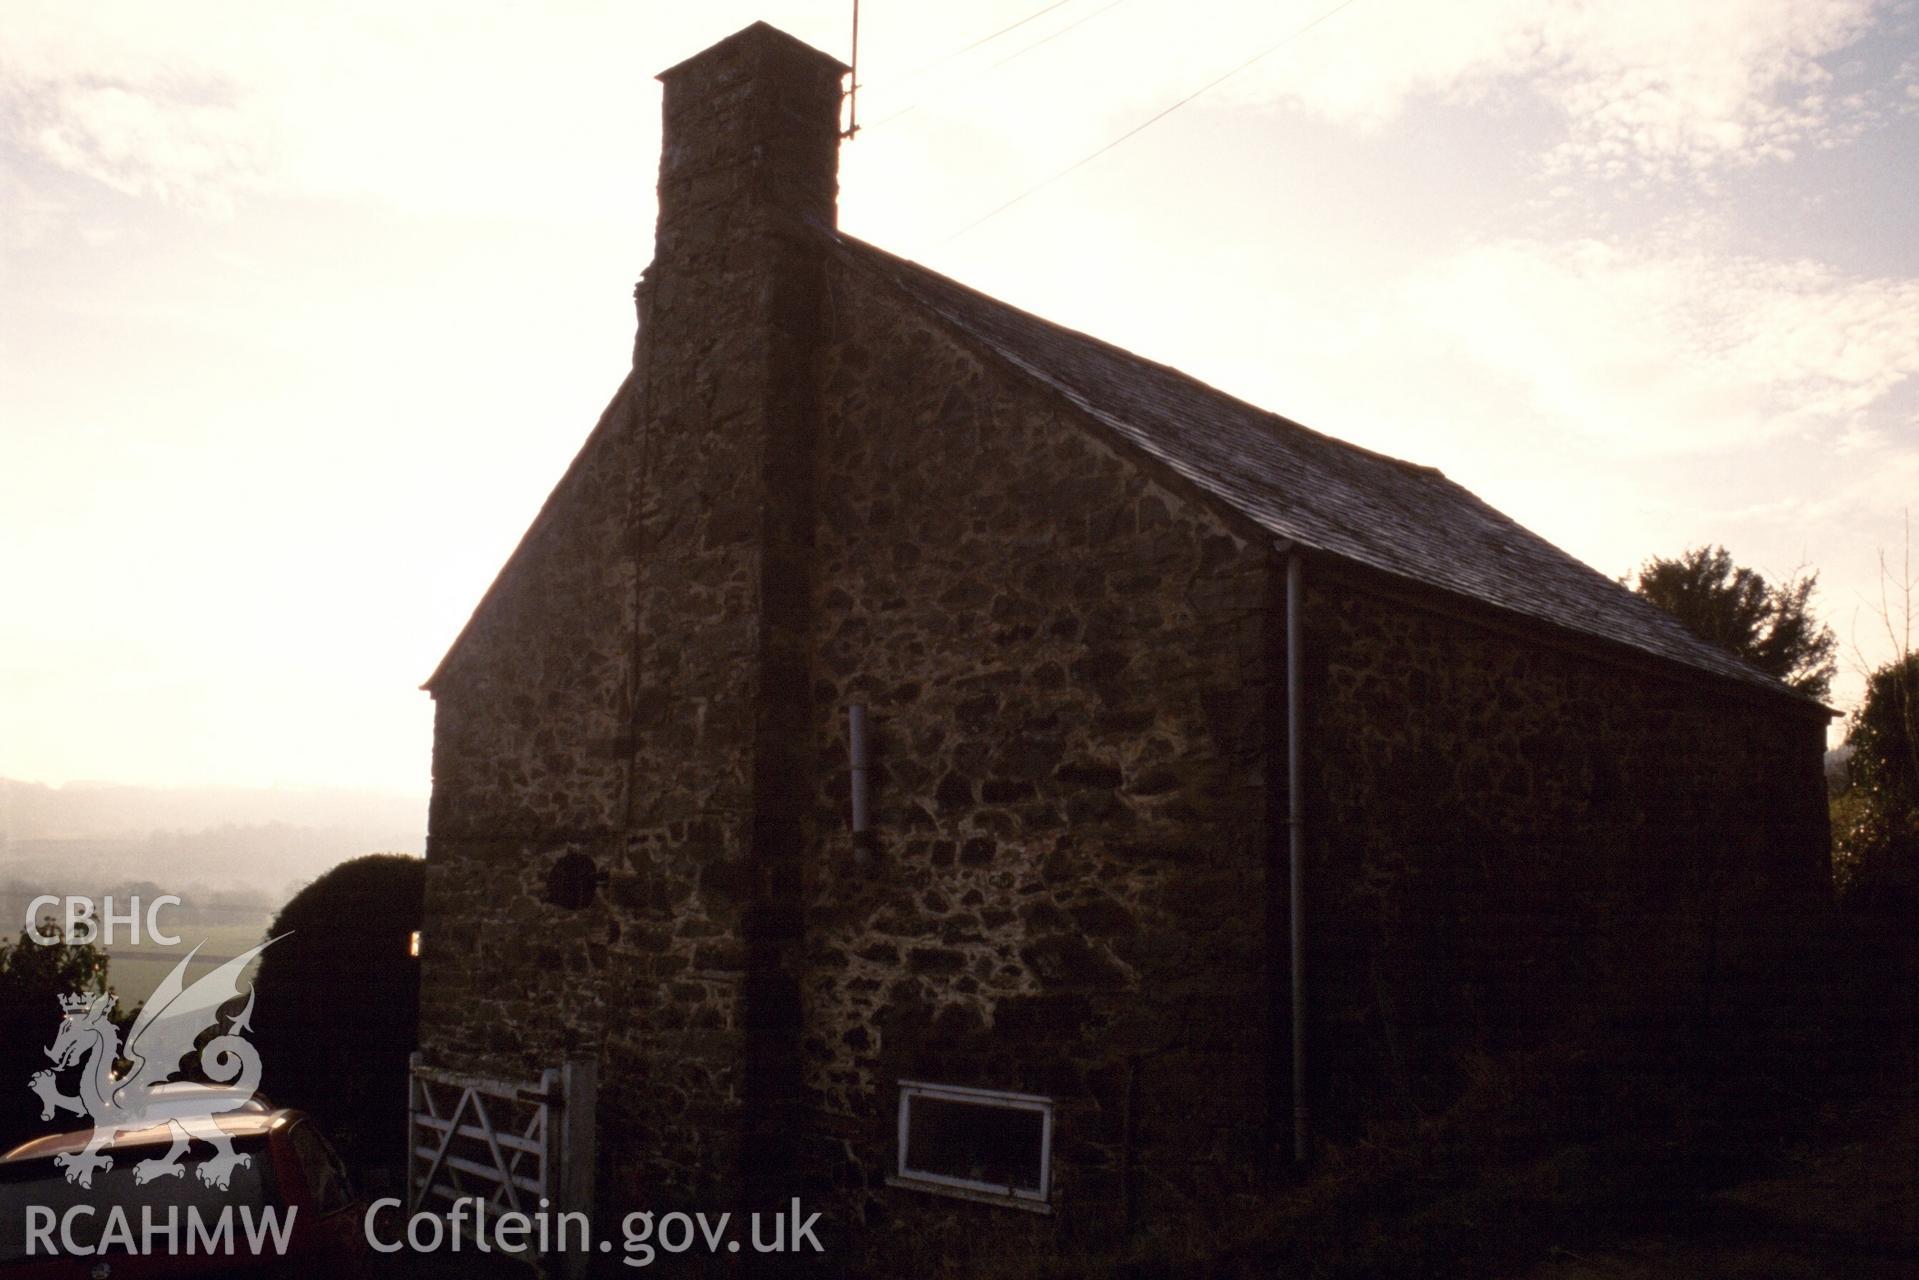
x=469, y=1223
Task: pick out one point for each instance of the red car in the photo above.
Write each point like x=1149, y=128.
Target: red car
x=287, y=1210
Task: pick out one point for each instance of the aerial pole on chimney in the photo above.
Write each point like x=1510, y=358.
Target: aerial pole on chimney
x=853, y=89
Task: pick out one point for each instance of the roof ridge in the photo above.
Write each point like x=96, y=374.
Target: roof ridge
x=1417, y=468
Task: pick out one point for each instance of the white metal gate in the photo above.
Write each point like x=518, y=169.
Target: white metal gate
x=500, y=1145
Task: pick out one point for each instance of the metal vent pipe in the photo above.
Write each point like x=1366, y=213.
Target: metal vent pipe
x=862, y=771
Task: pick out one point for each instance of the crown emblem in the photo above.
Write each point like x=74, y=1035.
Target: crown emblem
x=81, y=1003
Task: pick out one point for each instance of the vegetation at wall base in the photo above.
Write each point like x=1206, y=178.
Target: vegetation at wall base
x=1712, y=1155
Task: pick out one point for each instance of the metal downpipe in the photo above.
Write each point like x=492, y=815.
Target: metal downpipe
x=1296, y=858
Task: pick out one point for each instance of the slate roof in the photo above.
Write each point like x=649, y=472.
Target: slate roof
x=1396, y=517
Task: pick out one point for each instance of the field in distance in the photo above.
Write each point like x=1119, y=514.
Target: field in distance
x=134, y=971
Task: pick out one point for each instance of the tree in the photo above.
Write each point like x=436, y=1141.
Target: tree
x=1884, y=736
x=1875, y=823
x=33, y=977
x=339, y=1002
x=1771, y=627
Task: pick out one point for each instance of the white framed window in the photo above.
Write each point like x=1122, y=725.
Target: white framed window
x=981, y=1144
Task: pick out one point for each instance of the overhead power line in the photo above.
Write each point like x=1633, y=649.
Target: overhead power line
x=1020, y=52
x=1023, y=50
x=947, y=57
x=1039, y=13
x=1050, y=36
x=1150, y=121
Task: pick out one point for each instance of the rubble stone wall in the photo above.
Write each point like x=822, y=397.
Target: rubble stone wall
x=1512, y=835
x=1065, y=661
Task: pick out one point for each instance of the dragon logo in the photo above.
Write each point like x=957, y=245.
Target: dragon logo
x=146, y=1096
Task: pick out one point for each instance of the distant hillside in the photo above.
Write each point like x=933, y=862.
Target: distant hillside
x=30, y=811
x=220, y=842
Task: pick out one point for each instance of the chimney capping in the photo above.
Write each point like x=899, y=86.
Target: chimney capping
x=765, y=38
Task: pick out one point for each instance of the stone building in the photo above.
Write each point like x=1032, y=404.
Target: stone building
x=1124, y=649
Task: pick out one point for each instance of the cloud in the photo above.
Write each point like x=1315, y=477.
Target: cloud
x=1664, y=351
x=141, y=102
x=197, y=101
x=1656, y=87
x=188, y=146
x=428, y=106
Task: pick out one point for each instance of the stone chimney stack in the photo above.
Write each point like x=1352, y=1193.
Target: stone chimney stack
x=751, y=135
x=722, y=534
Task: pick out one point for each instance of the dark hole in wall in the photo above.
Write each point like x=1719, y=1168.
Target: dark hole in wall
x=979, y=1142
x=571, y=881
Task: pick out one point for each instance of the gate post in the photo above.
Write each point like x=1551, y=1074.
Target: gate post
x=413, y=1087
x=579, y=1085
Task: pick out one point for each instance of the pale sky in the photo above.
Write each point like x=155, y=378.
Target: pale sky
x=307, y=306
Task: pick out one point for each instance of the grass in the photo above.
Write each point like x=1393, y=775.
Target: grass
x=1776, y=1146
x=1827, y=1195
x=134, y=971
